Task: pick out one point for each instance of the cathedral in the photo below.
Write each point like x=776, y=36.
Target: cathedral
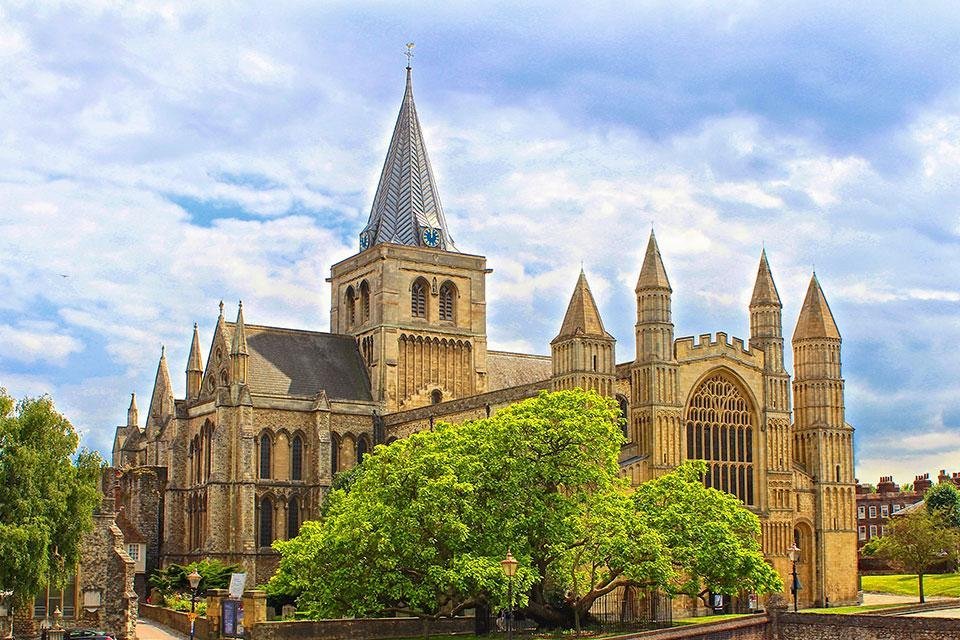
x=271, y=414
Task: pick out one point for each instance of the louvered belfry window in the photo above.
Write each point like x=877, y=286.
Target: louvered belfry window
x=446, y=302
x=418, y=300
x=720, y=425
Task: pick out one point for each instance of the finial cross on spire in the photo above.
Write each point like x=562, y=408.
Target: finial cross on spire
x=409, y=54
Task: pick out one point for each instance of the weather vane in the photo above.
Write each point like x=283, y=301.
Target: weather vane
x=409, y=53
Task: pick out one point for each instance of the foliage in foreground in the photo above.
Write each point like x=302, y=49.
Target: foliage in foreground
x=48, y=491
x=423, y=523
x=172, y=579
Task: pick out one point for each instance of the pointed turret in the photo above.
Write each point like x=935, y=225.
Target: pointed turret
x=582, y=317
x=194, y=366
x=766, y=323
x=816, y=319
x=133, y=415
x=583, y=352
x=406, y=208
x=161, y=401
x=653, y=275
x=238, y=349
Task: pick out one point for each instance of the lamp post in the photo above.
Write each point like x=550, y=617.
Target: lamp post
x=509, y=565
x=794, y=554
x=194, y=579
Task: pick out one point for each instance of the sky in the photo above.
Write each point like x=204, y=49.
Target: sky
x=157, y=157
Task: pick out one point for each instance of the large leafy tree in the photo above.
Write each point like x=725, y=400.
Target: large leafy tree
x=714, y=541
x=915, y=542
x=944, y=499
x=422, y=524
x=48, y=491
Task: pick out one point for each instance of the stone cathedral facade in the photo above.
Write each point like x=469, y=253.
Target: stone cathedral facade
x=271, y=414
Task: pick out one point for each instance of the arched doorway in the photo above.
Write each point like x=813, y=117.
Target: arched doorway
x=803, y=539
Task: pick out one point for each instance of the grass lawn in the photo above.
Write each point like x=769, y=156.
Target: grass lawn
x=709, y=619
x=854, y=609
x=947, y=584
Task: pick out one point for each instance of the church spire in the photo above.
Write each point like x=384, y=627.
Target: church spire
x=238, y=348
x=133, y=414
x=194, y=366
x=764, y=289
x=816, y=319
x=161, y=402
x=406, y=208
x=582, y=317
x=653, y=275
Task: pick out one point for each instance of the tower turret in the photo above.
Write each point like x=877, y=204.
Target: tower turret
x=133, y=415
x=583, y=352
x=654, y=328
x=194, y=366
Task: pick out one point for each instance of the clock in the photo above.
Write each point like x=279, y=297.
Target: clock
x=364, y=241
x=431, y=237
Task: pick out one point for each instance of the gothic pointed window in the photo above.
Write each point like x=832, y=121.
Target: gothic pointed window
x=362, y=447
x=293, y=518
x=624, y=415
x=265, y=445
x=351, y=306
x=266, y=522
x=719, y=429
x=364, y=301
x=334, y=453
x=418, y=299
x=296, y=458
x=447, y=296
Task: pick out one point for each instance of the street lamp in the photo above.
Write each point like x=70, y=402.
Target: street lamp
x=794, y=554
x=509, y=565
x=194, y=579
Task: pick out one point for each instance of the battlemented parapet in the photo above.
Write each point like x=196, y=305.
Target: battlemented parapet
x=707, y=346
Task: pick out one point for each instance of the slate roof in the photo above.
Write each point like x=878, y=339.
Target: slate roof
x=293, y=362
x=505, y=369
x=407, y=198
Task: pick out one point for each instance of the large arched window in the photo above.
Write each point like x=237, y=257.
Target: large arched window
x=266, y=522
x=362, y=447
x=720, y=424
x=296, y=458
x=364, y=301
x=293, y=518
x=418, y=299
x=448, y=295
x=351, y=306
x=624, y=416
x=265, y=456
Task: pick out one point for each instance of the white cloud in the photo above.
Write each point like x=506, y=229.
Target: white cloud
x=37, y=343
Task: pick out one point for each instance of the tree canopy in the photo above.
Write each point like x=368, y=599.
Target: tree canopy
x=944, y=499
x=48, y=491
x=422, y=524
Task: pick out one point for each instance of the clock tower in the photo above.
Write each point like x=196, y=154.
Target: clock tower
x=415, y=304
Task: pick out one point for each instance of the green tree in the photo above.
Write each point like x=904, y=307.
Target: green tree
x=48, y=491
x=422, y=524
x=944, y=499
x=713, y=540
x=915, y=542
x=214, y=574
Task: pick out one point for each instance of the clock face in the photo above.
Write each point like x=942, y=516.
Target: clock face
x=431, y=237
x=364, y=241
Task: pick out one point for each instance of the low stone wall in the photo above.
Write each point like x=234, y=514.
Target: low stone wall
x=821, y=626
x=359, y=628
x=746, y=628
x=176, y=620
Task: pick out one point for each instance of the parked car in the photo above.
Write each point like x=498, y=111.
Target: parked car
x=87, y=634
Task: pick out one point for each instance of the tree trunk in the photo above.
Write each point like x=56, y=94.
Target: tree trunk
x=920, y=579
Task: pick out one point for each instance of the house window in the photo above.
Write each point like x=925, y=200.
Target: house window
x=296, y=458
x=265, y=456
x=883, y=530
x=873, y=511
x=418, y=300
x=873, y=531
x=884, y=511
x=862, y=532
x=53, y=598
x=133, y=550
x=896, y=508
x=446, y=301
x=861, y=512
x=266, y=522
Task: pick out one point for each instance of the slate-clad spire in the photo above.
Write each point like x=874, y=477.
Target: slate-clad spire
x=816, y=319
x=238, y=349
x=582, y=317
x=764, y=290
x=406, y=209
x=653, y=275
x=161, y=402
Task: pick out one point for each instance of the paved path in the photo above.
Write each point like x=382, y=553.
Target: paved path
x=150, y=630
x=890, y=598
x=942, y=613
